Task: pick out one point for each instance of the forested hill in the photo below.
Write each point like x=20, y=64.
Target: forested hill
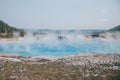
x=115, y=29
x=7, y=31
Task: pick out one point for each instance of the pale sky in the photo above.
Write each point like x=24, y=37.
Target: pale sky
x=61, y=14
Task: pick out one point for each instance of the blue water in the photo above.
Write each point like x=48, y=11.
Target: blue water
x=59, y=48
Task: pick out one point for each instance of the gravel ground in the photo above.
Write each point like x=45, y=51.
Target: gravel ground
x=90, y=66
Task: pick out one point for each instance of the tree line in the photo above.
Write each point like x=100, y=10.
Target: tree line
x=7, y=31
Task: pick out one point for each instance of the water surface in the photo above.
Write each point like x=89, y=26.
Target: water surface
x=59, y=48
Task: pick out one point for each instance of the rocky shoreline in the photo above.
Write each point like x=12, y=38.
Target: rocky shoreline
x=76, y=59
x=86, y=66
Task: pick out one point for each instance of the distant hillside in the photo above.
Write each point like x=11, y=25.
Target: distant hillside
x=7, y=31
x=115, y=29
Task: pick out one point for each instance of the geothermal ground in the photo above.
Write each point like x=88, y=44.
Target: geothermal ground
x=89, y=66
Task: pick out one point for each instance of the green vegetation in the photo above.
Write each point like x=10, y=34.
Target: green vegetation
x=117, y=28
x=7, y=31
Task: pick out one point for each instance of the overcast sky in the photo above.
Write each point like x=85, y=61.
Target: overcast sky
x=61, y=14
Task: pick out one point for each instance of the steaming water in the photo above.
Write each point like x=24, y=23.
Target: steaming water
x=51, y=46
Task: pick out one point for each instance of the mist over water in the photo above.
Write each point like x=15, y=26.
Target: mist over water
x=58, y=45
